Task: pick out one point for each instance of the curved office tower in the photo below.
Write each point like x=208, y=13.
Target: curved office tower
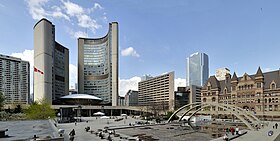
x=98, y=66
x=51, y=64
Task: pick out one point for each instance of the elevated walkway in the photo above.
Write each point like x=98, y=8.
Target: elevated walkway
x=133, y=108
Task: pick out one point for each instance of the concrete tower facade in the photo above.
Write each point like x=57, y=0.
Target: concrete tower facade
x=51, y=64
x=98, y=66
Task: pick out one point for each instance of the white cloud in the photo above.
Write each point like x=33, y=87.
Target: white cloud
x=27, y=55
x=179, y=82
x=77, y=34
x=267, y=69
x=72, y=75
x=38, y=11
x=80, y=34
x=36, y=8
x=130, y=51
x=97, y=6
x=66, y=10
x=57, y=13
x=132, y=84
x=86, y=22
x=128, y=84
x=77, y=11
x=72, y=9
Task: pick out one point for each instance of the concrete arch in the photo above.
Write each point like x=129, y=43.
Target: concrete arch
x=181, y=108
x=227, y=105
x=235, y=110
x=247, y=114
x=234, y=113
x=239, y=110
x=188, y=111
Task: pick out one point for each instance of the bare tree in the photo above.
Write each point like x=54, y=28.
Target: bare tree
x=2, y=100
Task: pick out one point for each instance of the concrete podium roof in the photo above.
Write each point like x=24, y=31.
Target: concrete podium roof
x=81, y=96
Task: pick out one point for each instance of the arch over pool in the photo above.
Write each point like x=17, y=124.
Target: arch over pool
x=235, y=110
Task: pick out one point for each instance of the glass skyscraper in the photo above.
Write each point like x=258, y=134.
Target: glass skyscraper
x=197, y=69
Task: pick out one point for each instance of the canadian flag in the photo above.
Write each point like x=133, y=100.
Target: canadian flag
x=37, y=70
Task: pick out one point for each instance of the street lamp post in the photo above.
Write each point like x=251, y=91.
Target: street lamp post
x=80, y=110
x=58, y=117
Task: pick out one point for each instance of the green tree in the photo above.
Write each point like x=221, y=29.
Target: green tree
x=41, y=110
x=2, y=100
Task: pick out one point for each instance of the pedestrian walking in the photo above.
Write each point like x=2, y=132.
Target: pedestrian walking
x=276, y=125
x=72, y=135
x=237, y=130
x=232, y=130
x=225, y=137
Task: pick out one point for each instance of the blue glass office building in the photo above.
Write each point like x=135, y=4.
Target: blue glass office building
x=197, y=69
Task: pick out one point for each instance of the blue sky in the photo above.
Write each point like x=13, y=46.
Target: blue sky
x=154, y=36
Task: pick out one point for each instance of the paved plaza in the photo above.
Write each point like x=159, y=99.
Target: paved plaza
x=126, y=129
x=26, y=129
x=161, y=132
x=167, y=133
x=94, y=123
x=262, y=134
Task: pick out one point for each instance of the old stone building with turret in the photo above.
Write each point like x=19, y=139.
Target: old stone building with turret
x=259, y=93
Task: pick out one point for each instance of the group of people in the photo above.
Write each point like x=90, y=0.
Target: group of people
x=101, y=135
x=233, y=131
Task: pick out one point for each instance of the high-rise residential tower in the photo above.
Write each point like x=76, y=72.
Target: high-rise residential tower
x=197, y=69
x=51, y=64
x=98, y=66
x=14, y=80
x=157, y=92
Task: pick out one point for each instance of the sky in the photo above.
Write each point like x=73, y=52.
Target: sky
x=154, y=36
